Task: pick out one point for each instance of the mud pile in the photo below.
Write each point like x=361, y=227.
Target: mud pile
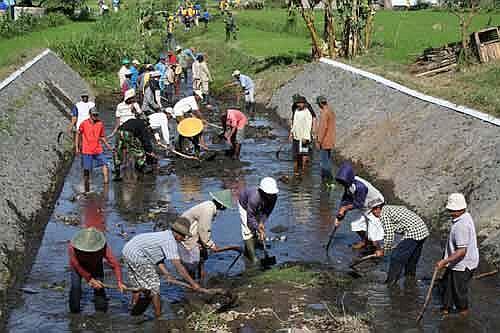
x=33, y=162
x=426, y=150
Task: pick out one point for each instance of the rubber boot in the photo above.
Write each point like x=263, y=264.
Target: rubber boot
x=250, y=251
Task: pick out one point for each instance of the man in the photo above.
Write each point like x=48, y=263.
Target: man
x=401, y=220
x=143, y=80
x=162, y=67
x=248, y=88
x=134, y=137
x=205, y=77
x=255, y=204
x=233, y=123
x=326, y=137
x=461, y=256
x=126, y=110
x=121, y=73
x=152, y=107
x=80, y=112
x=169, y=41
x=188, y=104
x=357, y=194
x=145, y=254
x=192, y=129
x=230, y=25
x=90, y=136
x=86, y=251
x=183, y=60
x=127, y=84
x=134, y=69
x=201, y=218
x=196, y=73
x=206, y=18
x=301, y=133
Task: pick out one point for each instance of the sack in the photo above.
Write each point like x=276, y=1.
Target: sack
x=304, y=146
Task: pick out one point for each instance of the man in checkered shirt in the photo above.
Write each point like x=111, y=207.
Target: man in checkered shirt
x=401, y=220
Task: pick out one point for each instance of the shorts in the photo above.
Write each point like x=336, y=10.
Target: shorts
x=89, y=159
x=143, y=276
x=250, y=95
x=296, y=147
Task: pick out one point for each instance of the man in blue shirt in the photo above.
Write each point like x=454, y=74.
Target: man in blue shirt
x=135, y=72
x=161, y=67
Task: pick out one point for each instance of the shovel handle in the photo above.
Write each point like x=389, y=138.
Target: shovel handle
x=201, y=290
x=330, y=239
x=482, y=275
x=369, y=257
x=133, y=290
x=429, y=294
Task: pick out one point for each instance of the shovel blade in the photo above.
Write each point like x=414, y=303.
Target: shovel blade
x=268, y=261
x=141, y=306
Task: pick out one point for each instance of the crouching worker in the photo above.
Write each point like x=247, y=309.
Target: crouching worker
x=192, y=129
x=233, y=123
x=87, y=250
x=461, y=257
x=145, y=254
x=357, y=194
x=255, y=205
x=401, y=220
x=134, y=137
x=194, y=251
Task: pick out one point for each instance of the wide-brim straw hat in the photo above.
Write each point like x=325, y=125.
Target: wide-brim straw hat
x=89, y=240
x=223, y=197
x=190, y=127
x=182, y=226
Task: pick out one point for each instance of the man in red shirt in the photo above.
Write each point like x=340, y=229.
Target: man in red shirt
x=90, y=135
x=86, y=251
x=234, y=122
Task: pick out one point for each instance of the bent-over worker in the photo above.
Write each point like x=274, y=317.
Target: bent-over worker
x=86, y=251
x=255, y=204
x=233, y=123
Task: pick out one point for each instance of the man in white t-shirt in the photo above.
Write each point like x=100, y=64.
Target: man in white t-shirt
x=128, y=109
x=80, y=112
x=187, y=104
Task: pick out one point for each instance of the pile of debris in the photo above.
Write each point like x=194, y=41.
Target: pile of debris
x=436, y=60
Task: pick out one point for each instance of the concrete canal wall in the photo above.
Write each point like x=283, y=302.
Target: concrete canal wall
x=33, y=163
x=426, y=150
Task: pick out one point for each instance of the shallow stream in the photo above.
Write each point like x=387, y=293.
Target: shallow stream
x=303, y=212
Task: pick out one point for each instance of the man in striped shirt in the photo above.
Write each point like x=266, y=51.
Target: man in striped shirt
x=401, y=220
x=146, y=252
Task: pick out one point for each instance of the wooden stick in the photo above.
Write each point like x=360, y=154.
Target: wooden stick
x=482, y=275
x=201, y=290
x=429, y=294
x=213, y=125
x=359, y=261
x=133, y=290
x=330, y=240
x=233, y=263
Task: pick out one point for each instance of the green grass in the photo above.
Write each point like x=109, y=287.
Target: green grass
x=15, y=51
x=294, y=274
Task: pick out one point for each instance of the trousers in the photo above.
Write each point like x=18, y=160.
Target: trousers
x=407, y=255
x=325, y=163
x=455, y=289
x=75, y=294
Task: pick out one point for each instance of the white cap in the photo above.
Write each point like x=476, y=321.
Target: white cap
x=456, y=201
x=136, y=62
x=178, y=48
x=127, y=72
x=236, y=73
x=269, y=185
x=129, y=94
x=198, y=92
x=375, y=203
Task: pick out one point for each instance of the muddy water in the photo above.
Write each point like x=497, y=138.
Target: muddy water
x=304, y=211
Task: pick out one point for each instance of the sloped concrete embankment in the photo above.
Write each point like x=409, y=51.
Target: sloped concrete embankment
x=425, y=150
x=33, y=163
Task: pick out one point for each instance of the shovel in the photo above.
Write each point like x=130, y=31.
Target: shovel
x=267, y=261
x=330, y=240
x=233, y=263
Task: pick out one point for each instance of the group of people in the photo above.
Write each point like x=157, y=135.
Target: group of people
x=191, y=15
x=187, y=244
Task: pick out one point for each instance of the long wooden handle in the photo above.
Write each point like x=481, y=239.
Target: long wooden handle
x=482, y=275
x=201, y=290
x=369, y=257
x=330, y=240
x=429, y=295
x=233, y=263
x=133, y=290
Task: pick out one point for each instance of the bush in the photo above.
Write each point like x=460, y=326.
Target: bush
x=28, y=23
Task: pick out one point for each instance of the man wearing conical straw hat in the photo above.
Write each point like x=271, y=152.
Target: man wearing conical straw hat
x=87, y=250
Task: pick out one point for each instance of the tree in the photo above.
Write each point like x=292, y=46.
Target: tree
x=306, y=9
x=465, y=10
x=329, y=29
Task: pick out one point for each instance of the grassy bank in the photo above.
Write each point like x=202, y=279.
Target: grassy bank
x=399, y=37
x=18, y=50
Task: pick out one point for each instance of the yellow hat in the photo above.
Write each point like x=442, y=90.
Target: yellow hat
x=190, y=127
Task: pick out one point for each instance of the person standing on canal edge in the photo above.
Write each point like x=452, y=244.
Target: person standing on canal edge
x=461, y=257
x=301, y=134
x=86, y=251
x=255, y=205
x=91, y=135
x=326, y=137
